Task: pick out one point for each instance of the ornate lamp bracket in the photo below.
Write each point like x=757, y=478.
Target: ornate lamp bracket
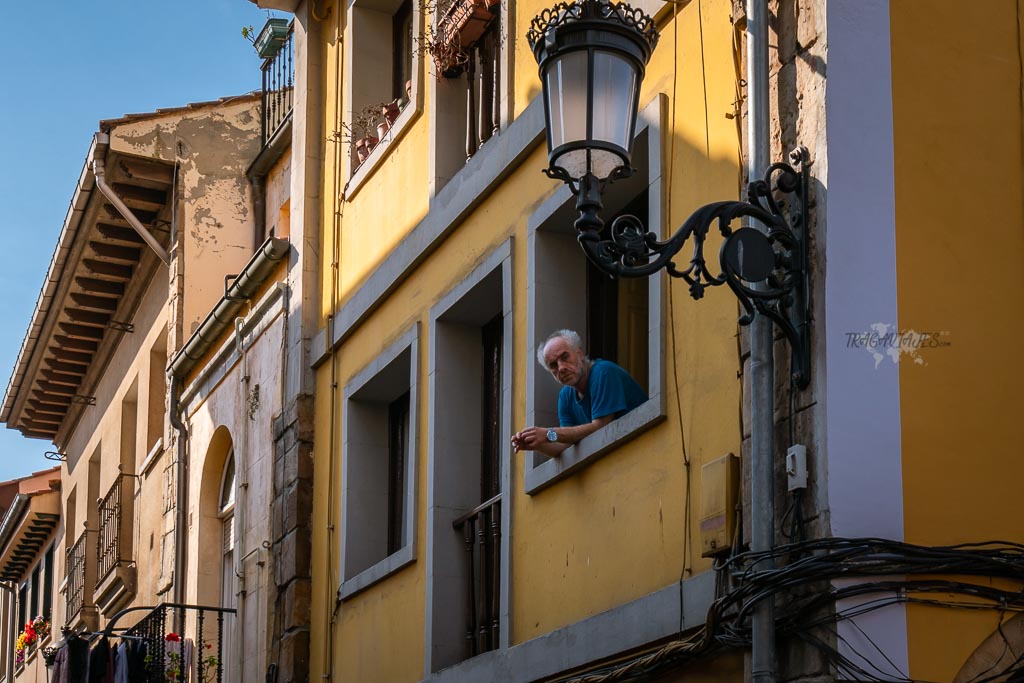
x=766, y=270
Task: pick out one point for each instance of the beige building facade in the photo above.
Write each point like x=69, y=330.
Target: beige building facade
x=161, y=213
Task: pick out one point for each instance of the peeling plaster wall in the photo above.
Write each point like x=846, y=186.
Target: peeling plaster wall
x=279, y=195
x=211, y=147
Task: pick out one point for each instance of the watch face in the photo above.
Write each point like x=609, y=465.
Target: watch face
x=552, y=435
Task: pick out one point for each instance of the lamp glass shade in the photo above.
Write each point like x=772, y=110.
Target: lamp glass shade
x=567, y=99
x=614, y=99
x=592, y=104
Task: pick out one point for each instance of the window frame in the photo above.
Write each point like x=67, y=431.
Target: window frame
x=439, y=643
x=541, y=471
x=358, y=176
x=358, y=581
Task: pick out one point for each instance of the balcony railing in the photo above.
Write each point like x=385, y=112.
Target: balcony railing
x=278, y=87
x=209, y=628
x=483, y=88
x=111, y=550
x=76, y=564
x=481, y=535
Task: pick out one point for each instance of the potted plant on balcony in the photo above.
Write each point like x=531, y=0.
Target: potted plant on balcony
x=359, y=132
x=269, y=40
x=460, y=24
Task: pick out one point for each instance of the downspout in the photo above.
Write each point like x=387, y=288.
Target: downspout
x=241, y=493
x=126, y=213
x=762, y=367
x=182, y=498
x=259, y=200
x=12, y=626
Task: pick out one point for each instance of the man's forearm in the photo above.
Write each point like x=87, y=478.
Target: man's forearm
x=551, y=449
x=572, y=435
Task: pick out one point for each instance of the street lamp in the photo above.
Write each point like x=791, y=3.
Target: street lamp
x=592, y=55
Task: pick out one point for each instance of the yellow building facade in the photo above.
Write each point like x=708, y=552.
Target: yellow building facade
x=447, y=257
x=440, y=275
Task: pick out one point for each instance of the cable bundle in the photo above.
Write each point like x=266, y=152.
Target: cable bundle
x=905, y=574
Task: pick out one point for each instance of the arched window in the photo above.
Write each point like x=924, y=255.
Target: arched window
x=229, y=580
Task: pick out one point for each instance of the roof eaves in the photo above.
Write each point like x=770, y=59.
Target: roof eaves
x=72, y=220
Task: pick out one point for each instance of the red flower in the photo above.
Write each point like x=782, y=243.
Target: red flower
x=172, y=637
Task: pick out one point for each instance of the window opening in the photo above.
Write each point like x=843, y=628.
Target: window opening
x=227, y=489
x=401, y=41
x=36, y=588
x=617, y=311
x=378, y=464
x=23, y=605
x=48, y=583
x=228, y=578
x=490, y=447
x=398, y=445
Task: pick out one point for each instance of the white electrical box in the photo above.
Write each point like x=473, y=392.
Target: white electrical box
x=796, y=467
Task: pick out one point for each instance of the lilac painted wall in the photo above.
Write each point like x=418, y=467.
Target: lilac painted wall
x=862, y=443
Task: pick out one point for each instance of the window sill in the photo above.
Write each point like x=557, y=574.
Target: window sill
x=381, y=151
x=592, y=448
x=151, y=457
x=378, y=572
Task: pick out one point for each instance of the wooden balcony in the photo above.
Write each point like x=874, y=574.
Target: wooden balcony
x=481, y=533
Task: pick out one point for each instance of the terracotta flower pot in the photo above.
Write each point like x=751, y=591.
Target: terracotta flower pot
x=391, y=112
x=361, y=151
x=382, y=129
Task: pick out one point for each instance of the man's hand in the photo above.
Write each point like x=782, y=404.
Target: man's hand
x=530, y=439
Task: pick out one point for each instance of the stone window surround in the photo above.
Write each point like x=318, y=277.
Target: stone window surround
x=408, y=342
x=541, y=471
x=500, y=260
x=403, y=123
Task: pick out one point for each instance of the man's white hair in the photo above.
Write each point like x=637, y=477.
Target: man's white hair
x=570, y=336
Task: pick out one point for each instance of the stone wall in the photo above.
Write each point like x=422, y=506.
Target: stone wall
x=797, y=57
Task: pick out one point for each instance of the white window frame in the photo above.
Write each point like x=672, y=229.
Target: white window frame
x=354, y=581
x=544, y=270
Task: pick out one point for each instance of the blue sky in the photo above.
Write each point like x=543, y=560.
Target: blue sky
x=69, y=64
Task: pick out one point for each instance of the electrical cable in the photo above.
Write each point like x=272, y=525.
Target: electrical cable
x=823, y=561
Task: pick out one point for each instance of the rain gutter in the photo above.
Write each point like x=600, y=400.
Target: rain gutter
x=223, y=315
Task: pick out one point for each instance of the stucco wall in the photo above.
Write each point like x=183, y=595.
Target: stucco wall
x=613, y=532
x=958, y=106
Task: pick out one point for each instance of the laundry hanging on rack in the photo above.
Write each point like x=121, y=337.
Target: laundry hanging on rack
x=71, y=661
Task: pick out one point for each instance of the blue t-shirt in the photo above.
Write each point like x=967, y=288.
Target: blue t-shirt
x=610, y=391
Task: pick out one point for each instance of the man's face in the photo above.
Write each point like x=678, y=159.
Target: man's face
x=565, y=362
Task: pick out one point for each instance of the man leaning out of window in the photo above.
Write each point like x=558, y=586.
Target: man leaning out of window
x=594, y=392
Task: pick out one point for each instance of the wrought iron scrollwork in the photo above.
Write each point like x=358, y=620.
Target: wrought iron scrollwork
x=584, y=10
x=767, y=271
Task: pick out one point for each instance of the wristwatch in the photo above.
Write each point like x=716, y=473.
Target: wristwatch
x=552, y=435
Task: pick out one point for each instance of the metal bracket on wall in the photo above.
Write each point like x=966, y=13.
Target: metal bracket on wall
x=84, y=400
x=120, y=326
